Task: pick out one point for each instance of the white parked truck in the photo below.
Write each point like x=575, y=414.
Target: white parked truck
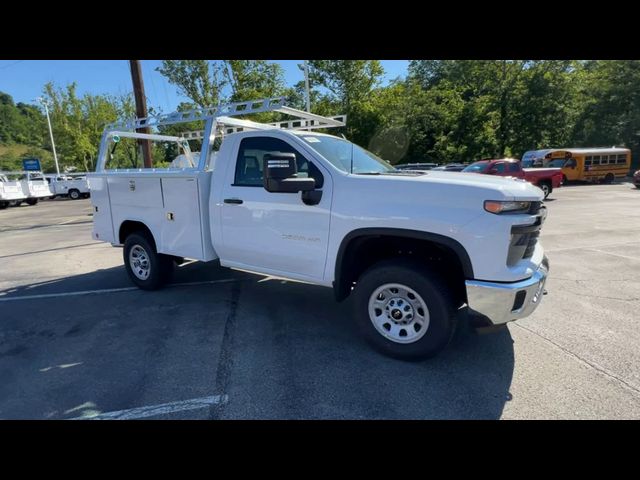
x=68, y=186
x=10, y=192
x=34, y=187
x=278, y=199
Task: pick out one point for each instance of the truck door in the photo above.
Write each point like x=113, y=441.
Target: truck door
x=498, y=168
x=515, y=170
x=273, y=232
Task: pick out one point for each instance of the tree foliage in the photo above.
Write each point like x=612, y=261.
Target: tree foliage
x=444, y=111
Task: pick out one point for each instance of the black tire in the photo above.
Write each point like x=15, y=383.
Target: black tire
x=31, y=201
x=17, y=203
x=433, y=291
x=3, y=205
x=160, y=266
x=609, y=178
x=564, y=179
x=546, y=188
x=52, y=197
x=74, y=194
x=85, y=195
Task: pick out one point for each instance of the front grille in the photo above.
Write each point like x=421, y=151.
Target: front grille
x=534, y=208
x=531, y=244
x=523, y=241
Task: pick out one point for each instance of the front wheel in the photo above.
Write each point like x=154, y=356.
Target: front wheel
x=609, y=178
x=31, y=201
x=74, y=194
x=546, y=189
x=404, y=310
x=146, y=268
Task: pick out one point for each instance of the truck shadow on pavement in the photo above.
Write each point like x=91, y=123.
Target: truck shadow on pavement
x=277, y=349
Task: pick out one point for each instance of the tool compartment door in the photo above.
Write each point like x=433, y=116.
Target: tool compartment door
x=181, y=229
x=102, y=223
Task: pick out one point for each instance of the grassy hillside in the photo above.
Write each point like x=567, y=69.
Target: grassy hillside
x=11, y=157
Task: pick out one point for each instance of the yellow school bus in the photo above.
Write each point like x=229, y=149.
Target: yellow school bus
x=590, y=164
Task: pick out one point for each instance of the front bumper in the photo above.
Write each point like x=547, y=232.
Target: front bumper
x=503, y=302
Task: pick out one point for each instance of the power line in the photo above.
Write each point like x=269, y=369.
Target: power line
x=11, y=64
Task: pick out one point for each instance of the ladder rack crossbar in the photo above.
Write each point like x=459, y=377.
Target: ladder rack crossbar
x=222, y=118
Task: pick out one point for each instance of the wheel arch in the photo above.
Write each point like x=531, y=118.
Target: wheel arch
x=128, y=227
x=349, y=266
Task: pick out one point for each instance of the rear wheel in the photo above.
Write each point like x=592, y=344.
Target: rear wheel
x=609, y=178
x=31, y=201
x=17, y=203
x=147, y=268
x=3, y=205
x=74, y=194
x=404, y=310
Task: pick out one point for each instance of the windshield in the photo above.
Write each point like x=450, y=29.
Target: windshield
x=557, y=163
x=347, y=156
x=475, y=167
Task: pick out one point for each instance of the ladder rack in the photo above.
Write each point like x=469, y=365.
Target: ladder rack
x=222, y=116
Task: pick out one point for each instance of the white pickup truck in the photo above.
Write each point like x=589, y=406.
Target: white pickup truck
x=68, y=186
x=34, y=187
x=411, y=248
x=10, y=192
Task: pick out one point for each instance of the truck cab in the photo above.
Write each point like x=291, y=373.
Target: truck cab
x=284, y=200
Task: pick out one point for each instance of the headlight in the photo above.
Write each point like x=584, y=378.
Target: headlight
x=497, y=207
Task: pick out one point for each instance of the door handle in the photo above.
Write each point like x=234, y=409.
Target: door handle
x=233, y=201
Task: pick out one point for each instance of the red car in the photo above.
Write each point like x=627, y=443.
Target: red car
x=544, y=178
x=636, y=179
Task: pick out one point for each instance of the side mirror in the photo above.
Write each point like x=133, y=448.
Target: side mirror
x=279, y=174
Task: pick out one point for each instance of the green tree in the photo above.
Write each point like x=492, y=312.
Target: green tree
x=199, y=80
x=349, y=84
x=609, y=98
x=78, y=122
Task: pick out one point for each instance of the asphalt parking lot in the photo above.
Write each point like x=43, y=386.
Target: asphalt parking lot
x=77, y=340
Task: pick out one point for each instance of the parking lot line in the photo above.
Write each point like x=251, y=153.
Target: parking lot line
x=110, y=290
x=614, y=254
x=156, y=410
x=578, y=247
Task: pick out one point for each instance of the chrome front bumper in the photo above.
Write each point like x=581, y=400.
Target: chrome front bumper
x=504, y=302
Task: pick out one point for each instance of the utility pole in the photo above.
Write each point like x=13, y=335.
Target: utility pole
x=53, y=145
x=141, y=110
x=306, y=85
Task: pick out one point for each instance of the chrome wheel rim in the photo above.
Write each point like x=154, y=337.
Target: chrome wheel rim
x=139, y=262
x=398, y=313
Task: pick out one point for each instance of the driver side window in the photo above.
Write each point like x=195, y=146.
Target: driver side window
x=250, y=156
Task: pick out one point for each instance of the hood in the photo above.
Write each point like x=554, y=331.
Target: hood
x=494, y=187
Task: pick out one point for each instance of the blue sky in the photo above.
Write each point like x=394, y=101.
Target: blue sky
x=24, y=79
